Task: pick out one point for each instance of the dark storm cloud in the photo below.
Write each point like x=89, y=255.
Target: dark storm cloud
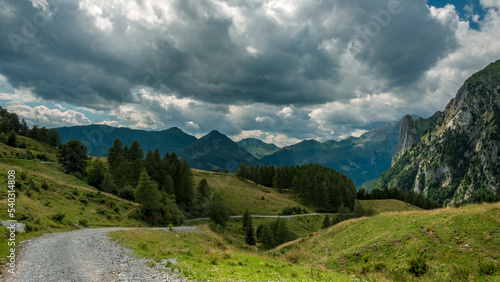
x=218, y=52
x=401, y=40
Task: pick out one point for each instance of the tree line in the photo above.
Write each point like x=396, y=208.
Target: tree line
x=416, y=199
x=11, y=126
x=323, y=187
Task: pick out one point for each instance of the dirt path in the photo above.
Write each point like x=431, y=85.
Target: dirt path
x=82, y=255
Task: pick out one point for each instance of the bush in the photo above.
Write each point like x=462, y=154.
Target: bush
x=58, y=216
x=379, y=266
x=83, y=222
x=487, y=268
x=418, y=266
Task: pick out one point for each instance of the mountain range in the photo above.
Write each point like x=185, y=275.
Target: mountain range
x=453, y=156
x=99, y=138
x=361, y=158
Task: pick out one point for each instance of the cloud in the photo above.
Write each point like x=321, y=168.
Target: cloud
x=280, y=70
x=93, y=53
x=112, y=123
x=43, y=116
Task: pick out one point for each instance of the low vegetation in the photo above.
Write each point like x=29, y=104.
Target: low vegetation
x=206, y=256
x=49, y=200
x=445, y=244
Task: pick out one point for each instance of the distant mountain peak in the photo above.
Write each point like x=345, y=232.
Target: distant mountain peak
x=257, y=148
x=452, y=157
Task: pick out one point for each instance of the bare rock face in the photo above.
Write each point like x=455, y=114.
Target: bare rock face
x=453, y=156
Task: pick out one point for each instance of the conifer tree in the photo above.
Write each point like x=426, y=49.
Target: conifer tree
x=107, y=184
x=135, y=152
x=266, y=237
x=327, y=222
x=242, y=171
x=147, y=194
x=115, y=155
x=95, y=174
x=217, y=210
x=169, y=186
x=248, y=228
x=73, y=156
x=12, y=139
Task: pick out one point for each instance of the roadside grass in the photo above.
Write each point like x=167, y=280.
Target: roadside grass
x=205, y=256
x=451, y=244
x=241, y=194
x=382, y=206
x=48, y=200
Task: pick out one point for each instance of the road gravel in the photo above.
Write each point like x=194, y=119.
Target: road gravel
x=85, y=255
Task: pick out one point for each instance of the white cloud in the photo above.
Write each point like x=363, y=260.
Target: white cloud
x=192, y=124
x=256, y=133
x=112, y=123
x=281, y=140
x=286, y=112
x=43, y=116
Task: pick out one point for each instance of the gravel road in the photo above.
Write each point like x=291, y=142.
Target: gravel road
x=84, y=255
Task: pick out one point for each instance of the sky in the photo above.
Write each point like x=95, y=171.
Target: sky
x=278, y=70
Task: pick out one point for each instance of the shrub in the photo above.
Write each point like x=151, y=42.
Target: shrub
x=366, y=258
x=83, y=222
x=58, y=216
x=487, y=268
x=379, y=266
x=418, y=266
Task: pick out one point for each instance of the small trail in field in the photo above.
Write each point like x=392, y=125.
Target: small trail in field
x=83, y=255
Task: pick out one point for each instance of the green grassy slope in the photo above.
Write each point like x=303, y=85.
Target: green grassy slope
x=48, y=200
x=381, y=206
x=456, y=243
x=205, y=256
x=241, y=194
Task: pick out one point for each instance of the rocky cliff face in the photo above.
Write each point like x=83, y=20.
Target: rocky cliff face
x=453, y=156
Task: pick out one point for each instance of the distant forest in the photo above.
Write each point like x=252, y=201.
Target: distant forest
x=323, y=187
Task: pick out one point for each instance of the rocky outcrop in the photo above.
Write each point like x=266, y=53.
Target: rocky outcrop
x=453, y=157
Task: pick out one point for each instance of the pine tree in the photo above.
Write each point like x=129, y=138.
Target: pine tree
x=248, y=228
x=327, y=222
x=217, y=210
x=242, y=171
x=170, y=211
x=12, y=139
x=148, y=195
x=135, y=152
x=247, y=220
x=184, y=193
x=204, y=188
x=95, y=174
x=73, y=156
x=250, y=235
x=115, y=155
x=266, y=237
x=169, y=186
x=107, y=185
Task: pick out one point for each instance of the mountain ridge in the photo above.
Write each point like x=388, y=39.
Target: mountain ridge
x=257, y=147
x=99, y=138
x=216, y=151
x=453, y=157
x=360, y=158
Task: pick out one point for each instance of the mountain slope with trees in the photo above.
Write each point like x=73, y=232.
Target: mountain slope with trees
x=454, y=156
x=99, y=138
x=361, y=158
x=257, y=148
x=215, y=151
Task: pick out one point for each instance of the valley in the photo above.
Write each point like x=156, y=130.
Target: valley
x=433, y=215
